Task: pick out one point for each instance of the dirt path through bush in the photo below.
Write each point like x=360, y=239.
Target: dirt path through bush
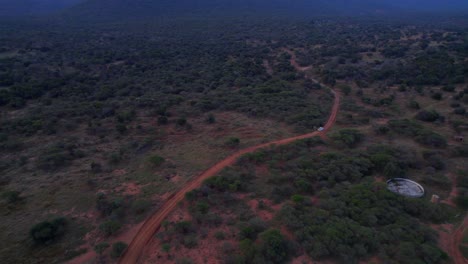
x=456, y=241
x=152, y=224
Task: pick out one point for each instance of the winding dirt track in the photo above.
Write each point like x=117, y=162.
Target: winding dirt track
x=152, y=224
x=457, y=238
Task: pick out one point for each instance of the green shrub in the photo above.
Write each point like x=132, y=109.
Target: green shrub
x=156, y=160
x=349, y=137
x=110, y=227
x=448, y=88
x=101, y=247
x=220, y=235
x=184, y=261
x=211, y=119
x=273, y=247
x=121, y=128
x=430, y=138
x=414, y=105
x=47, y=231
x=166, y=247
x=437, y=96
x=118, y=249
x=140, y=206
x=297, y=198
x=162, y=120
x=462, y=179
x=232, y=142
x=462, y=198
x=428, y=116
x=190, y=241
x=11, y=197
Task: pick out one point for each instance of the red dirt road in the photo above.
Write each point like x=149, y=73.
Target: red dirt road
x=152, y=224
x=457, y=237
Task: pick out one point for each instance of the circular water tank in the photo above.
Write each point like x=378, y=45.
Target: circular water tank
x=405, y=187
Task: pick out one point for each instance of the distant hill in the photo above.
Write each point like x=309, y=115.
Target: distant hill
x=11, y=8
x=118, y=9
x=144, y=8
x=431, y=5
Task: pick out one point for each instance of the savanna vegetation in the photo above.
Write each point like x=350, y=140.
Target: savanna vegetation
x=99, y=124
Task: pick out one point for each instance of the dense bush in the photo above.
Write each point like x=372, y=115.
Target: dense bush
x=348, y=137
x=118, y=249
x=358, y=221
x=48, y=231
x=428, y=116
x=110, y=227
x=156, y=160
x=418, y=132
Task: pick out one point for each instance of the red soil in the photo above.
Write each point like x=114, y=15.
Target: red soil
x=456, y=238
x=209, y=250
x=93, y=238
x=450, y=238
x=453, y=193
x=149, y=228
x=265, y=214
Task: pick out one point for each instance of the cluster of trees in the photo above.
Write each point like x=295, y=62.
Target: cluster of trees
x=376, y=53
x=355, y=218
x=415, y=130
x=362, y=220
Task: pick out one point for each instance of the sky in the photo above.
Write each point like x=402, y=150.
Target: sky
x=33, y=7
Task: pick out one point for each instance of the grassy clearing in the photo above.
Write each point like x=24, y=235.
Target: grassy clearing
x=71, y=190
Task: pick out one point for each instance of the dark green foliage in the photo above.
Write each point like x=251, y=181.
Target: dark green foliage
x=414, y=105
x=101, y=247
x=190, y=241
x=405, y=126
x=431, y=139
x=428, y=116
x=210, y=119
x=181, y=121
x=48, y=231
x=434, y=160
x=230, y=181
x=58, y=155
x=360, y=220
x=272, y=248
x=220, y=235
x=108, y=207
x=437, y=96
x=346, y=90
x=11, y=197
x=118, y=249
x=437, y=180
x=110, y=227
x=184, y=227
x=163, y=120
x=448, y=88
x=459, y=110
x=156, y=160
x=462, y=179
x=166, y=247
x=252, y=228
x=96, y=167
x=140, y=206
x=462, y=198
x=232, y=142
x=121, y=128
x=348, y=137
x=418, y=132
